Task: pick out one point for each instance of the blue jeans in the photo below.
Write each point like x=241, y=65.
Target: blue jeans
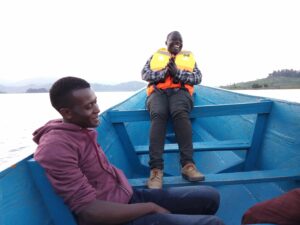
x=177, y=104
x=190, y=205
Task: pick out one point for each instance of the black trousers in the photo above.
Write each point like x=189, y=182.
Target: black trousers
x=176, y=104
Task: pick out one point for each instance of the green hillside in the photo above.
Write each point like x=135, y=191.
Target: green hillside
x=283, y=79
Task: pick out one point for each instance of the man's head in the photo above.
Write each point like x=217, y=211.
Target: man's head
x=74, y=99
x=174, y=42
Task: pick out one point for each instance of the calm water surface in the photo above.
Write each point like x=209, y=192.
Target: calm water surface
x=292, y=95
x=21, y=114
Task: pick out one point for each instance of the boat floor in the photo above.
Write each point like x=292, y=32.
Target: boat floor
x=243, y=196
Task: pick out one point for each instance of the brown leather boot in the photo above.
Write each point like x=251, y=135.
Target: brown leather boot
x=156, y=179
x=191, y=173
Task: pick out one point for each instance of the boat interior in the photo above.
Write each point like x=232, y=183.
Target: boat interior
x=248, y=148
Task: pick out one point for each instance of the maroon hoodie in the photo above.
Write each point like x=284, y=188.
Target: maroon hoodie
x=77, y=167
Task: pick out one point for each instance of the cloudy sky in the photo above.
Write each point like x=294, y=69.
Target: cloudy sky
x=110, y=41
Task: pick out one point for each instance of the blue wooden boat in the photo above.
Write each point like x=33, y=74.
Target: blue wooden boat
x=248, y=147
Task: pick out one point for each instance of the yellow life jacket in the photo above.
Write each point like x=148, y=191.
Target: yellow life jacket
x=184, y=60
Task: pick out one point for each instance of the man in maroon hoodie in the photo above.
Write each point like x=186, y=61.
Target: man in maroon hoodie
x=95, y=190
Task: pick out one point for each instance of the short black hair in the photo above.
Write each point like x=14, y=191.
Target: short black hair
x=173, y=33
x=62, y=88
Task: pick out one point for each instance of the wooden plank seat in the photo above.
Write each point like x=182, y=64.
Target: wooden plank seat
x=227, y=145
x=263, y=107
x=261, y=176
x=59, y=212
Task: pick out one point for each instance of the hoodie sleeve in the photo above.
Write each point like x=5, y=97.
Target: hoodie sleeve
x=60, y=161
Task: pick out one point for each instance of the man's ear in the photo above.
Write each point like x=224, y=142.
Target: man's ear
x=66, y=113
x=166, y=43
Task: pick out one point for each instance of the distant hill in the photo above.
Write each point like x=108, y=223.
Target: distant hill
x=37, y=90
x=128, y=86
x=282, y=79
x=41, y=88
x=21, y=89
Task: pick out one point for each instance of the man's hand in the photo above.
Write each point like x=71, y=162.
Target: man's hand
x=105, y=212
x=172, y=68
x=158, y=209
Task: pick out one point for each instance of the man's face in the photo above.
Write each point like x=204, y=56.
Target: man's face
x=84, y=111
x=174, y=43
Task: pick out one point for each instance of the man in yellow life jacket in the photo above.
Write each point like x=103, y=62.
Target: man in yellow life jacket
x=171, y=74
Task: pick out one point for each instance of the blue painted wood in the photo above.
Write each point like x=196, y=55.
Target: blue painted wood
x=20, y=201
x=244, y=197
x=230, y=178
x=234, y=168
x=261, y=108
x=257, y=138
x=227, y=145
x=60, y=213
x=198, y=111
x=231, y=109
x=130, y=152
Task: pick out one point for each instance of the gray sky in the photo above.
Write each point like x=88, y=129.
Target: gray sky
x=110, y=41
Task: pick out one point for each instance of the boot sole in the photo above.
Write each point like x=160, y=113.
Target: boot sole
x=196, y=179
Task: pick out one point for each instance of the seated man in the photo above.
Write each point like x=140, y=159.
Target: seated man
x=283, y=210
x=95, y=190
x=171, y=74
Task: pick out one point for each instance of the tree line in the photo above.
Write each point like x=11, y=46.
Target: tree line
x=285, y=73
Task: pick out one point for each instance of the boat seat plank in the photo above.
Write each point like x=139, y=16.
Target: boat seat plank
x=59, y=212
x=230, y=178
x=227, y=145
x=262, y=107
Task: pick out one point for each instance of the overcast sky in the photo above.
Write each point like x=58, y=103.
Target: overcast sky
x=110, y=41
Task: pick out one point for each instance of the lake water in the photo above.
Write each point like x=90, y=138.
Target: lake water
x=292, y=95
x=21, y=114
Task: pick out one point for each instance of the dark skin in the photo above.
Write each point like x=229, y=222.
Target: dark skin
x=84, y=112
x=174, y=46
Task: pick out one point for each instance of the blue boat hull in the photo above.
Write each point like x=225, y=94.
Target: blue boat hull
x=248, y=148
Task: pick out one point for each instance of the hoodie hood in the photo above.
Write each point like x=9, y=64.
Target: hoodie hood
x=57, y=124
